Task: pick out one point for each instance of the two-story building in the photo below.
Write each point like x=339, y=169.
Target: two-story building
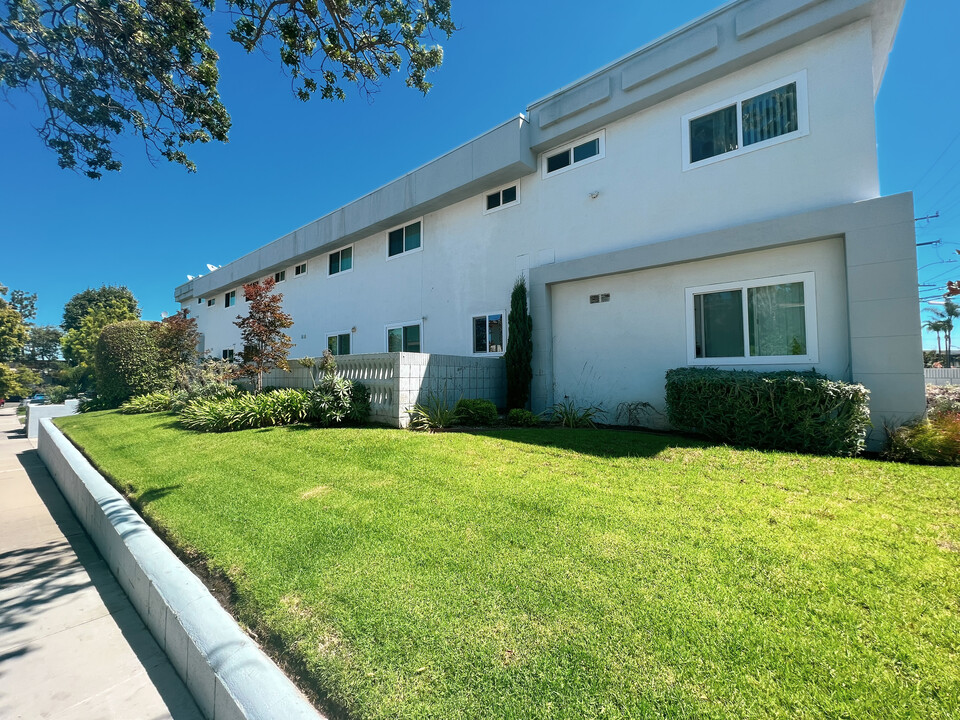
x=712, y=199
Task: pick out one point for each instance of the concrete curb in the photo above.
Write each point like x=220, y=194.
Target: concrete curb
x=228, y=675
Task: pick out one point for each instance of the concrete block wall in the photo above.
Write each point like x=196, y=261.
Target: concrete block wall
x=228, y=675
x=35, y=412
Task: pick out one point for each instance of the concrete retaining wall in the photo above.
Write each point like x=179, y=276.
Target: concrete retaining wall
x=227, y=674
x=35, y=412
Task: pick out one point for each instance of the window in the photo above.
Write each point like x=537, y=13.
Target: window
x=279, y=277
x=230, y=298
x=403, y=338
x=199, y=301
x=211, y=302
x=227, y=355
x=501, y=198
x=576, y=153
x=762, y=117
x=341, y=260
x=300, y=269
x=404, y=239
x=772, y=320
x=488, y=333
x=339, y=344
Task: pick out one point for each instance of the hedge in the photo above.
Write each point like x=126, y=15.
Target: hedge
x=128, y=362
x=787, y=410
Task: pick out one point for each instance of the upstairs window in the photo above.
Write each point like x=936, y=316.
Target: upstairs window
x=230, y=299
x=762, y=117
x=488, y=333
x=300, y=269
x=199, y=301
x=279, y=277
x=574, y=154
x=403, y=338
x=772, y=320
x=227, y=355
x=404, y=239
x=502, y=198
x=339, y=344
x=341, y=260
x=211, y=302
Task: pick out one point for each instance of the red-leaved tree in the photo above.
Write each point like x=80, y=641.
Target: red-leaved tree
x=265, y=345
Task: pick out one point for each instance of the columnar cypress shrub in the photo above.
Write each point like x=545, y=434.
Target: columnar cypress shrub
x=127, y=362
x=519, y=354
x=800, y=411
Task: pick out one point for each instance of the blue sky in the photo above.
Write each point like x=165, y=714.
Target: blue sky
x=288, y=162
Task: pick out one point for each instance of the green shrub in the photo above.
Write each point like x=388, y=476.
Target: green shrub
x=360, y=403
x=183, y=398
x=57, y=394
x=933, y=441
x=799, y=411
x=149, y=403
x=281, y=407
x=519, y=354
x=127, y=362
x=92, y=404
x=433, y=414
x=568, y=414
x=942, y=399
x=331, y=401
x=477, y=412
x=518, y=417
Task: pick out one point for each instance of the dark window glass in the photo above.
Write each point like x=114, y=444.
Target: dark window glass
x=509, y=194
x=344, y=342
x=411, y=237
x=587, y=150
x=713, y=134
x=395, y=340
x=199, y=301
x=718, y=318
x=211, y=302
x=493, y=200
x=479, y=334
x=280, y=276
x=334, y=263
x=332, y=344
x=395, y=243
x=558, y=161
x=346, y=259
x=770, y=115
x=411, y=338
x=301, y=269
x=496, y=333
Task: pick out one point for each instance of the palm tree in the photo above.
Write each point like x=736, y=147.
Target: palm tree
x=935, y=326
x=950, y=312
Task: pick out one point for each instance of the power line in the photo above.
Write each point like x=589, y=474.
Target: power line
x=939, y=157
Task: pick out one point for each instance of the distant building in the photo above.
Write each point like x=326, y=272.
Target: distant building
x=711, y=199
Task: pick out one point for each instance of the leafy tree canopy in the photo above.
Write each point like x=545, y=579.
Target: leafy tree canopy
x=17, y=381
x=265, y=345
x=80, y=304
x=44, y=343
x=79, y=343
x=102, y=67
x=13, y=333
x=26, y=304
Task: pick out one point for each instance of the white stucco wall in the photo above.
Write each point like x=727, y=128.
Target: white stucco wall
x=470, y=260
x=614, y=352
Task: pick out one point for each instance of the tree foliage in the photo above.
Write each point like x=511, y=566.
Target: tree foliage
x=80, y=343
x=102, y=67
x=265, y=345
x=17, y=381
x=128, y=362
x=519, y=353
x=80, y=304
x=43, y=346
x=178, y=339
x=944, y=324
x=13, y=328
x=26, y=304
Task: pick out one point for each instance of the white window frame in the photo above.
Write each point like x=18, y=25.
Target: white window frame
x=230, y=299
x=502, y=204
x=394, y=326
x=810, y=319
x=227, y=354
x=353, y=254
x=211, y=301
x=282, y=279
x=405, y=253
x=337, y=335
x=486, y=316
x=600, y=135
x=296, y=269
x=803, y=121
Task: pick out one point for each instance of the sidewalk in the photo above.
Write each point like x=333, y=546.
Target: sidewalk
x=71, y=645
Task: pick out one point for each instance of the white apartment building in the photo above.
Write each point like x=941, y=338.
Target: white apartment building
x=712, y=199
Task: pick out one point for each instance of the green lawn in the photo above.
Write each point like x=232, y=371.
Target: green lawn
x=562, y=573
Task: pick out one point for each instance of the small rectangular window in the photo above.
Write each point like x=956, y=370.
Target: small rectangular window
x=576, y=153
x=501, y=198
x=199, y=301
x=405, y=239
x=341, y=260
x=227, y=355
x=713, y=134
x=300, y=269
x=279, y=277
x=211, y=302
x=403, y=338
x=230, y=299
x=488, y=333
x=339, y=344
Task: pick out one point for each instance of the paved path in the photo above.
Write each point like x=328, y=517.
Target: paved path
x=71, y=645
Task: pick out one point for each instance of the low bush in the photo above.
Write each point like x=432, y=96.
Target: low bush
x=434, y=413
x=568, y=414
x=242, y=412
x=336, y=400
x=57, y=394
x=149, y=403
x=477, y=412
x=931, y=441
x=519, y=417
x=798, y=411
x=181, y=399
x=128, y=362
x=208, y=380
x=942, y=399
